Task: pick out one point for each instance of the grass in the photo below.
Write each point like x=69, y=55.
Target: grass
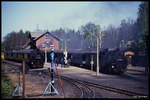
x=6, y=88
x=8, y=82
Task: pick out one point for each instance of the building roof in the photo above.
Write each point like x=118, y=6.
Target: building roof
x=39, y=34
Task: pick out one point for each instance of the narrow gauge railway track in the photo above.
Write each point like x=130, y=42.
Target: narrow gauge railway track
x=120, y=91
x=86, y=91
x=136, y=70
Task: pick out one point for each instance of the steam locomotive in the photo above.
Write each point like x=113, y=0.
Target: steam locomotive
x=33, y=57
x=111, y=61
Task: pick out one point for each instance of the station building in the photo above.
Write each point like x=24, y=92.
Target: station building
x=44, y=40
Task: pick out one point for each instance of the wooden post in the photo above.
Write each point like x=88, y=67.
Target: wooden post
x=59, y=78
x=49, y=72
x=23, y=93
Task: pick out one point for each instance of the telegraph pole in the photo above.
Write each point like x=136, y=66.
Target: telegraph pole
x=65, y=46
x=97, y=72
x=99, y=44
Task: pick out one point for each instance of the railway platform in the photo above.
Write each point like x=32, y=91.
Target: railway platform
x=134, y=79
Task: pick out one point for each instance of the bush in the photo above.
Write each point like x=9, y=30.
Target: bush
x=6, y=89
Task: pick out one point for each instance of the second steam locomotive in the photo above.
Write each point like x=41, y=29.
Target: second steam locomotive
x=111, y=61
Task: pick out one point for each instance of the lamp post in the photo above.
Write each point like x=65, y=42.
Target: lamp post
x=99, y=43
x=45, y=56
x=45, y=45
x=97, y=72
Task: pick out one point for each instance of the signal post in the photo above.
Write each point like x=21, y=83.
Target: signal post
x=50, y=89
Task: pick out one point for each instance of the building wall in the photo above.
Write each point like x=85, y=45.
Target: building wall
x=54, y=41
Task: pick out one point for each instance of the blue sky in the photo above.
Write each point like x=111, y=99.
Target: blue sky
x=53, y=15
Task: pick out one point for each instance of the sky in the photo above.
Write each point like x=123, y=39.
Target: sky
x=72, y=15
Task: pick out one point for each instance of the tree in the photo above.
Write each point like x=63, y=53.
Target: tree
x=61, y=34
x=142, y=20
x=2, y=47
x=111, y=37
x=128, y=31
x=15, y=40
x=143, y=17
x=91, y=31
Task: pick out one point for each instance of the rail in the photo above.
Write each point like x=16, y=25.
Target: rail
x=120, y=91
x=86, y=91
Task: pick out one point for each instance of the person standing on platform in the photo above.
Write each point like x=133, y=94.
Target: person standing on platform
x=65, y=58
